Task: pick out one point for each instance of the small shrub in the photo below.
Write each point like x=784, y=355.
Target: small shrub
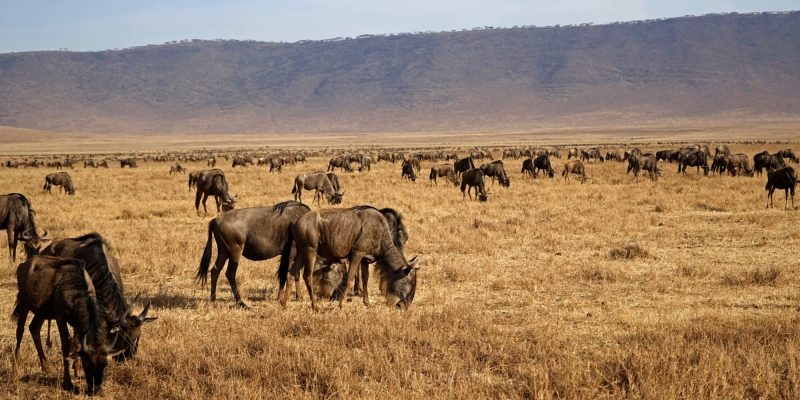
x=628, y=252
x=755, y=276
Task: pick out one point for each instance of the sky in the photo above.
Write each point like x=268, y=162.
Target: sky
x=27, y=25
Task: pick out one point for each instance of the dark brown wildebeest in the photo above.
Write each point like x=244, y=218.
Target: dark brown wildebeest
x=12, y=164
x=103, y=268
x=573, y=152
x=103, y=163
x=334, y=182
x=668, y=155
x=60, y=179
x=54, y=164
x=542, y=163
x=788, y=153
x=177, y=169
x=339, y=162
x=366, y=164
x=193, y=178
x=451, y=156
x=463, y=165
x=407, y=171
x=414, y=161
x=473, y=179
x=212, y=182
x=257, y=233
x=494, y=170
x=89, y=163
x=738, y=164
x=574, y=167
x=443, y=170
x=59, y=288
x=17, y=218
x=694, y=159
x=765, y=160
x=320, y=183
x=241, y=162
x=261, y=161
x=719, y=164
x=614, y=155
x=590, y=155
x=358, y=234
x=722, y=149
x=527, y=168
x=129, y=162
x=212, y=162
x=646, y=162
x=275, y=163
x=299, y=157
x=632, y=152
x=782, y=178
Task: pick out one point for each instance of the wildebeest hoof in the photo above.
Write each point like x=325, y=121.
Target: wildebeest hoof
x=68, y=386
x=241, y=305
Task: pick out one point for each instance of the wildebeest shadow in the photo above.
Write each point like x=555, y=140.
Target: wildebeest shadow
x=42, y=380
x=166, y=300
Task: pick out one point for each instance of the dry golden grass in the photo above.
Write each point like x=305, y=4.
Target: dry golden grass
x=520, y=297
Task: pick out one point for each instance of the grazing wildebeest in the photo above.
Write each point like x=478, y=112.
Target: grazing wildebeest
x=542, y=163
x=614, y=155
x=59, y=288
x=414, y=161
x=261, y=161
x=722, y=149
x=443, y=170
x=334, y=182
x=407, y=171
x=358, y=234
x=782, y=178
x=300, y=158
x=89, y=163
x=632, y=152
x=739, y=164
x=366, y=164
x=257, y=233
x=769, y=161
x=592, y=154
x=241, y=162
x=103, y=268
x=211, y=182
x=177, y=169
x=788, y=153
x=463, y=165
x=667, y=155
x=574, y=167
x=129, y=162
x=17, y=218
x=320, y=183
x=60, y=179
x=694, y=159
x=451, y=156
x=275, y=163
x=212, y=162
x=719, y=164
x=473, y=179
x=495, y=169
x=12, y=164
x=573, y=152
x=339, y=162
x=103, y=163
x=647, y=162
x=527, y=168
x=193, y=178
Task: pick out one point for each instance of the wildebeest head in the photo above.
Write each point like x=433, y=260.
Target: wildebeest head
x=33, y=242
x=228, y=203
x=94, y=359
x=401, y=285
x=130, y=332
x=336, y=198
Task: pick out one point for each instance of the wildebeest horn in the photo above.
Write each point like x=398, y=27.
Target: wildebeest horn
x=26, y=236
x=43, y=235
x=109, y=347
x=83, y=343
x=143, y=316
x=136, y=297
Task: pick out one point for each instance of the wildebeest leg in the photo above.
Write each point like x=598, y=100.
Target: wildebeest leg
x=216, y=200
x=13, y=236
x=364, y=280
x=205, y=197
x=66, y=346
x=21, y=317
x=35, y=329
x=307, y=259
x=769, y=197
x=786, y=200
x=219, y=264
x=197, y=197
x=355, y=262
x=230, y=273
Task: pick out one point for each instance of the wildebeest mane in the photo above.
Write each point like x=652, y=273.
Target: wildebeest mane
x=397, y=228
x=282, y=206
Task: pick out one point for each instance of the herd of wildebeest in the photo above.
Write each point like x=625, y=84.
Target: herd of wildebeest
x=77, y=281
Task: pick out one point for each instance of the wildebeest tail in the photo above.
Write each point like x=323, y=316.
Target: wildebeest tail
x=16, y=314
x=286, y=253
x=294, y=188
x=205, y=260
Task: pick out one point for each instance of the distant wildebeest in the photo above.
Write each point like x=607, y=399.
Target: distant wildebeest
x=366, y=164
x=103, y=163
x=463, y=165
x=573, y=152
x=443, y=170
x=414, y=161
x=542, y=163
x=646, y=162
x=193, y=178
x=129, y=162
x=473, y=179
x=782, y=178
x=177, y=169
x=241, y=162
x=103, y=268
x=407, y=171
x=592, y=154
x=574, y=167
x=631, y=152
x=738, y=164
x=722, y=149
x=54, y=164
x=361, y=235
x=257, y=233
x=614, y=155
x=212, y=182
x=59, y=288
x=494, y=170
x=339, y=162
x=212, y=162
x=262, y=161
x=788, y=153
x=767, y=161
x=60, y=179
x=719, y=164
x=527, y=168
x=89, y=163
x=667, y=155
x=300, y=158
x=320, y=183
x=694, y=159
x=17, y=218
x=12, y=164
x=511, y=153
x=275, y=163
x=451, y=156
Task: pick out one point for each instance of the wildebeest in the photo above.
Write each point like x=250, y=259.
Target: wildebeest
x=738, y=164
x=59, y=288
x=722, y=149
x=463, y=165
x=645, y=162
x=474, y=179
x=257, y=233
x=494, y=170
x=193, y=178
x=177, y=169
x=17, y=218
x=694, y=159
x=300, y=158
x=275, y=163
x=129, y=162
x=769, y=161
x=667, y=155
x=592, y=154
x=527, y=168
x=366, y=164
x=574, y=167
x=614, y=155
x=339, y=162
x=573, y=152
x=241, y=162
x=89, y=163
x=407, y=171
x=782, y=178
x=542, y=163
x=212, y=162
x=443, y=170
x=358, y=234
x=60, y=179
x=320, y=183
x=334, y=182
x=103, y=163
x=212, y=182
x=103, y=268
x=788, y=153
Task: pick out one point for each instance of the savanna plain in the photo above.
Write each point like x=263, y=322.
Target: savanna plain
x=677, y=289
